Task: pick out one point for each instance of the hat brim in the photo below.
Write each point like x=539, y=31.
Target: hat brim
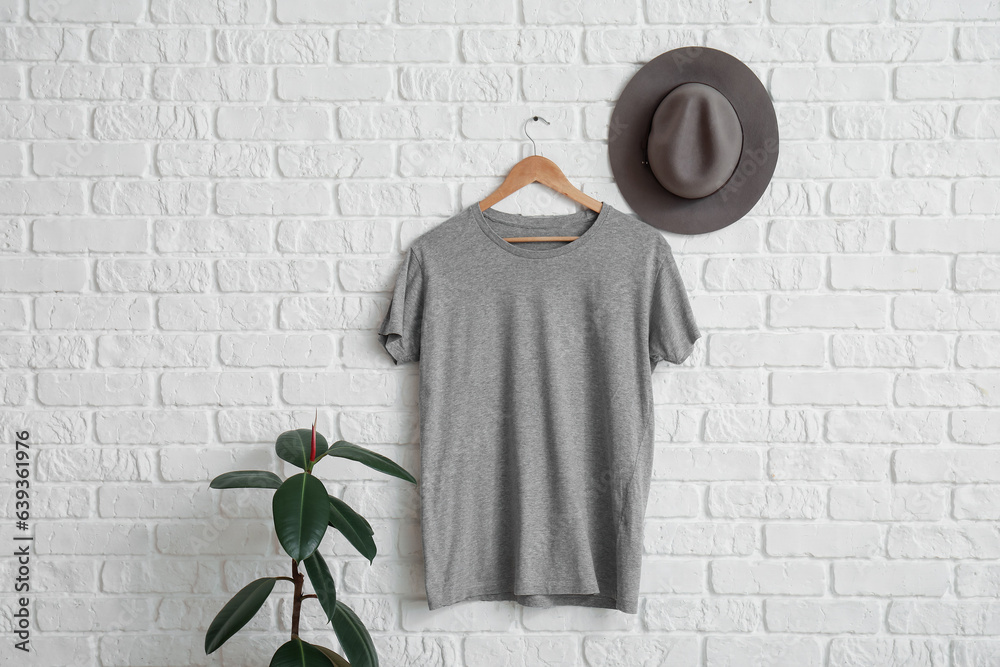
x=630, y=126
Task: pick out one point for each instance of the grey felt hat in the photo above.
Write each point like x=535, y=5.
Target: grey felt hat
x=693, y=140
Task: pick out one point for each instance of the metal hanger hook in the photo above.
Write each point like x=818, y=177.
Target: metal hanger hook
x=534, y=150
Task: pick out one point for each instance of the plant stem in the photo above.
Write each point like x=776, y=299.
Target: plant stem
x=297, y=599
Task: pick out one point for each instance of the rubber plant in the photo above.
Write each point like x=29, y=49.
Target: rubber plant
x=303, y=510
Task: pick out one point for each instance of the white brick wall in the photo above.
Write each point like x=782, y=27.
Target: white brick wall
x=203, y=208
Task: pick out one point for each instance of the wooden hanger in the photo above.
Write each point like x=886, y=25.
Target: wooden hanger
x=538, y=169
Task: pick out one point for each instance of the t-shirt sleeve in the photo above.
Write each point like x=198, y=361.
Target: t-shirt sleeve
x=672, y=329
x=399, y=332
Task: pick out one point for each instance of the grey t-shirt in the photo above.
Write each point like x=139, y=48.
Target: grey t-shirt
x=535, y=399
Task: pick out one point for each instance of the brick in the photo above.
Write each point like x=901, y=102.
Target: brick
x=823, y=616
x=41, y=197
x=885, y=426
x=978, y=119
x=375, y=121
x=89, y=159
x=679, y=463
x=150, y=198
x=976, y=427
x=878, y=503
x=334, y=161
x=848, y=651
x=759, y=274
x=702, y=614
x=211, y=84
x=831, y=540
x=549, y=651
x=889, y=273
x=898, y=44
x=142, y=45
x=890, y=350
x=945, y=312
x=977, y=273
x=334, y=236
x=255, y=350
x=825, y=388
x=965, y=541
x=820, y=11
x=519, y=46
x=93, y=388
x=156, y=275
x=213, y=236
x=570, y=84
x=881, y=197
x=829, y=84
x=87, y=82
x=943, y=617
x=710, y=386
x=766, y=349
x=101, y=235
x=829, y=311
x=700, y=539
x=977, y=351
x=37, y=274
x=85, y=312
x=41, y=121
x=213, y=388
x=770, y=651
x=830, y=236
x=719, y=11
x=880, y=121
x=927, y=10
x=765, y=501
x=219, y=160
x=948, y=389
x=276, y=124
x=749, y=425
x=211, y=12
x=152, y=427
x=476, y=616
x=890, y=578
x=454, y=11
x=736, y=577
x=921, y=82
x=946, y=465
x=103, y=11
x=272, y=198
x=152, y=122
x=940, y=235
x=266, y=47
x=829, y=463
x=333, y=84
x=386, y=45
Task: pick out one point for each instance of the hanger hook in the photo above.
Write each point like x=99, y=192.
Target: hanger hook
x=534, y=150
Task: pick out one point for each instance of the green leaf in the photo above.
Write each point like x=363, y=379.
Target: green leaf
x=353, y=527
x=322, y=582
x=246, y=479
x=354, y=637
x=294, y=446
x=346, y=509
x=337, y=659
x=347, y=450
x=301, y=512
x=298, y=653
x=237, y=613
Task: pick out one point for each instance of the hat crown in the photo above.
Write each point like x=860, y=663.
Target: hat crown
x=695, y=141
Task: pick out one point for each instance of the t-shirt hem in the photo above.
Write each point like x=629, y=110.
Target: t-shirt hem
x=394, y=346
x=538, y=600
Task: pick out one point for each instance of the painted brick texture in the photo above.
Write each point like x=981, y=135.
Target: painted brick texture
x=202, y=209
